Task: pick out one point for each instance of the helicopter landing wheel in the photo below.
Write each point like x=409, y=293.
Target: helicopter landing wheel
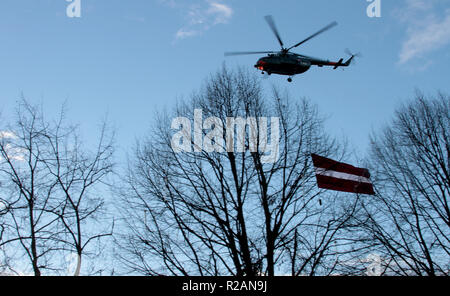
x=289, y=79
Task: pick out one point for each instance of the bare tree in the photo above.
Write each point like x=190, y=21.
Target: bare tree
x=409, y=219
x=30, y=187
x=5, y=265
x=224, y=211
x=54, y=197
x=78, y=171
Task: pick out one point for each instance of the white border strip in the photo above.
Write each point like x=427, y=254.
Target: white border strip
x=340, y=175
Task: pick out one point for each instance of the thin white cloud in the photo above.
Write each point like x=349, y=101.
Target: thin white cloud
x=184, y=33
x=413, y=5
x=15, y=153
x=7, y=135
x=200, y=15
x=434, y=35
x=221, y=12
x=426, y=29
x=3, y=205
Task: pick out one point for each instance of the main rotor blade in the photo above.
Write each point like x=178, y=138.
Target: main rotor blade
x=271, y=22
x=234, y=53
x=315, y=34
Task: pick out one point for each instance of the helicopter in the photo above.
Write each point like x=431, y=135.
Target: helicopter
x=285, y=62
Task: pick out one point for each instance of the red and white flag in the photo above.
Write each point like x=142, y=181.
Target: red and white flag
x=340, y=176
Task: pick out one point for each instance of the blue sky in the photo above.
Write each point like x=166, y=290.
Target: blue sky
x=128, y=58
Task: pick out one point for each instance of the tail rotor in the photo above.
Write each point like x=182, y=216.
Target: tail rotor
x=352, y=57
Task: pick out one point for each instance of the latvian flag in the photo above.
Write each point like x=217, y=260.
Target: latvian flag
x=340, y=176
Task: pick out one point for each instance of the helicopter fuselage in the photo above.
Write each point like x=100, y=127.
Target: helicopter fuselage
x=283, y=64
x=288, y=63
